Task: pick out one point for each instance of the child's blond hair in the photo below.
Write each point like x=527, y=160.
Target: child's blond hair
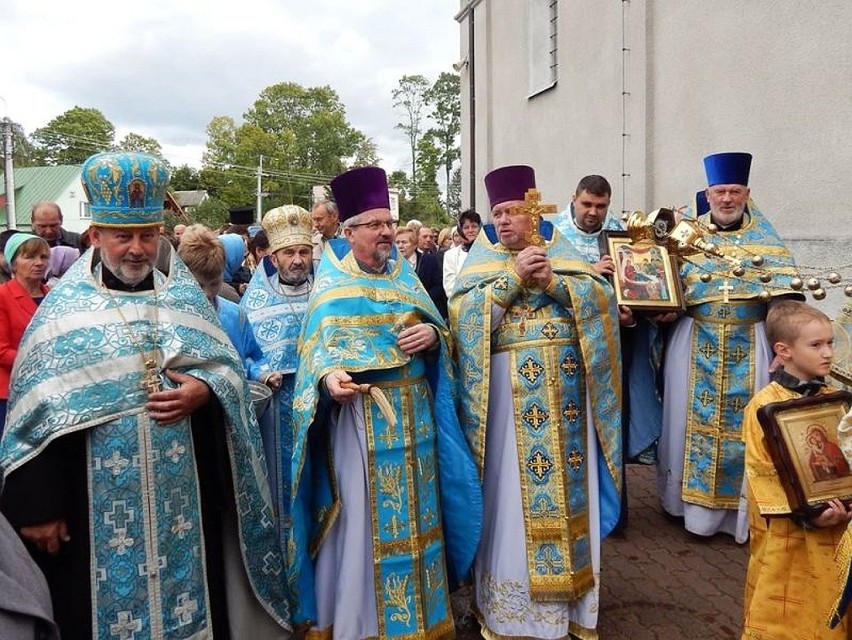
x=786, y=318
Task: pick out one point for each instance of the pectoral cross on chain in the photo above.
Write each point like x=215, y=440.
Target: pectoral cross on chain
x=151, y=383
x=533, y=208
x=726, y=288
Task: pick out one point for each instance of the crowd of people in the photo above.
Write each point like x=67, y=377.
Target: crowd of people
x=323, y=424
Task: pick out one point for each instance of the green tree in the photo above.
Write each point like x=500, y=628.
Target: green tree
x=212, y=213
x=23, y=154
x=410, y=98
x=454, y=190
x=399, y=180
x=185, y=178
x=444, y=97
x=366, y=154
x=311, y=123
x=141, y=144
x=426, y=194
x=72, y=137
x=303, y=137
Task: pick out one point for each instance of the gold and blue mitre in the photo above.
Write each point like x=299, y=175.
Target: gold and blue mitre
x=287, y=226
x=125, y=189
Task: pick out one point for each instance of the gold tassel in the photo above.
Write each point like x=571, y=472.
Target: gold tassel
x=378, y=396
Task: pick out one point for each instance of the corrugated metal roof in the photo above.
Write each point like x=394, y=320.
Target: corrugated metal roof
x=190, y=198
x=33, y=184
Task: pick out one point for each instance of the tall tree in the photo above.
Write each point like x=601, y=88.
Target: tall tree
x=444, y=97
x=427, y=195
x=23, y=154
x=311, y=122
x=366, y=153
x=301, y=133
x=141, y=144
x=410, y=98
x=72, y=137
x=185, y=178
x=454, y=190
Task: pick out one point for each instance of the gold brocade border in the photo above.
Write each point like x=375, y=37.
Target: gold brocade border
x=537, y=532
x=412, y=542
x=716, y=427
x=692, y=426
x=333, y=512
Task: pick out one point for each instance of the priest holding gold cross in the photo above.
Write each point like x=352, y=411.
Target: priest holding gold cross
x=537, y=335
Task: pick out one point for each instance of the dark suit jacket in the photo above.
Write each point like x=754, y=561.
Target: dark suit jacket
x=432, y=279
x=68, y=239
x=16, y=310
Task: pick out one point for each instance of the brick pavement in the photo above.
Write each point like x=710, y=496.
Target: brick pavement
x=661, y=582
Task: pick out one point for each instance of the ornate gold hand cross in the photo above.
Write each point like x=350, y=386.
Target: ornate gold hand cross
x=533, y=208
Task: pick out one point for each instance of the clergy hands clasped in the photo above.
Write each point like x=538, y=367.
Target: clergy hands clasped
x=172, y=405
x=533, y=266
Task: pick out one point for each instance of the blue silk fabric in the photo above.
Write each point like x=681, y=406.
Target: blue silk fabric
x=425, y=492
x=276, y=320
x=722, y=371
x=563, y=342
x=79, y=367
x=236, y=323
x=587, y=244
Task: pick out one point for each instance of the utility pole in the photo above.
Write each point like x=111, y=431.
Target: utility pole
x=9, y=174
x=258, y=206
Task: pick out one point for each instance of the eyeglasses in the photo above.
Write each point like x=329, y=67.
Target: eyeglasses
x=377, y=225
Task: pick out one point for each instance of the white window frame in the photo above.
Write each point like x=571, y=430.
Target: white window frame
x=544, y=45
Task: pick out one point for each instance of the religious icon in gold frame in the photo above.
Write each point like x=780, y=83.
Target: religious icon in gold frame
x=646, y=275
x=801, y=436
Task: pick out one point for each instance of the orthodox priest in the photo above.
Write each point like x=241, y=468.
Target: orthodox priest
x=387, y=503
x=717, y=357
x=276, y=301
x=134, y=471
x=540, y=393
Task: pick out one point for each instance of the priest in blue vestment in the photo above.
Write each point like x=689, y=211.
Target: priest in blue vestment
x=276, y=301
x=717, y=356
x=540, y=388
x=133, y=465
x=584, y=224
x=386, y=499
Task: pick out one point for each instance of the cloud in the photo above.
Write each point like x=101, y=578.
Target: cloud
x=166, y=73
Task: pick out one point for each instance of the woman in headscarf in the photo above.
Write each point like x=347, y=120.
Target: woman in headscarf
x=27, y=256
x=61, y=259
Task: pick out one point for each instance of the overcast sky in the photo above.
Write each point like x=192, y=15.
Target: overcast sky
x=165, y=68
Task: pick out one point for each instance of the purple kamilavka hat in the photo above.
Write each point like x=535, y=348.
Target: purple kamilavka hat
x=359, y=190
x=509, y=183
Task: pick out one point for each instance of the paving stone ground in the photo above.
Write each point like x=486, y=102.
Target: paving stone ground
x=658, y=581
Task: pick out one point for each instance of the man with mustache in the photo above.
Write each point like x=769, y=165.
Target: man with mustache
x=133, y=469
x=276, y=300
x=386, y=513
x=536, y=330
x=717, y=357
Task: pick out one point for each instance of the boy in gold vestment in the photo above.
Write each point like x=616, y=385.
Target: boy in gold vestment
x=789, y=589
